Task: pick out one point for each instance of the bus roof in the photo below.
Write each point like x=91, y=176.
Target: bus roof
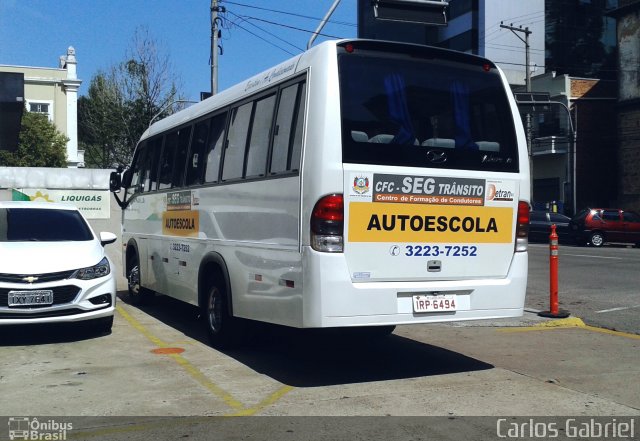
x=284, y=70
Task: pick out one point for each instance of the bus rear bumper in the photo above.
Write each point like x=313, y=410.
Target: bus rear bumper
x=332, y=302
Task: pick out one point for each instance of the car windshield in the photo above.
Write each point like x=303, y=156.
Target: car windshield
x=42, y=225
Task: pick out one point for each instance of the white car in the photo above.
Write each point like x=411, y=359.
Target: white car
x=53, y=267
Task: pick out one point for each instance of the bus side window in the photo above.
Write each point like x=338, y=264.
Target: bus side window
x=166, y=160
x=155, y=149
x=233, y=160
x=296, y=147
x=214, y=149
x=145, y=168
x=195, y=160
x=282, y=132
x=260, y=134
x=180, y=158
x=137, y=178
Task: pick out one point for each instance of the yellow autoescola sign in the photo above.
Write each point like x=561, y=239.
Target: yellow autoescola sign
x=411, y=223
x=183, y=223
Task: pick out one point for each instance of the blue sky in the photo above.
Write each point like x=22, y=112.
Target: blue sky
x=254, y=37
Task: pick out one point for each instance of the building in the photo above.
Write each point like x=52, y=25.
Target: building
x=628, y=108
x=474, y=26
x=580, y=38
x=561, y=168
x=54, y=92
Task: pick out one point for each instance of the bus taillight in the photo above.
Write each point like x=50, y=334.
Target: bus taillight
x=327, y=224
x=522, y=227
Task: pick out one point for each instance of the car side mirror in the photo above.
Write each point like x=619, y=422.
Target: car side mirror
x=106, y=238
x=115, y=182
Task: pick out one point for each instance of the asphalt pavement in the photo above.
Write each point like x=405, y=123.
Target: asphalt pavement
x=599, y=285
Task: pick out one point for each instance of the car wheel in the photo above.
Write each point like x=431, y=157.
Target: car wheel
x=224, y=330
x=137, y=294
x=596, y=239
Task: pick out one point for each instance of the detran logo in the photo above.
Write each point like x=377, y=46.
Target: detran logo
x=491, y=192
x=499, y=193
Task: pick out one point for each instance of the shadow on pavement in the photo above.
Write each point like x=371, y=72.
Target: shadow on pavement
x=43, y=334
x=321, y=357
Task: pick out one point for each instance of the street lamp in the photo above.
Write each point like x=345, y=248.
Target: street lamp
x=166, y=106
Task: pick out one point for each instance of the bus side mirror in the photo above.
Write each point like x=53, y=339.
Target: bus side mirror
x=126, y=178
x=115, y=182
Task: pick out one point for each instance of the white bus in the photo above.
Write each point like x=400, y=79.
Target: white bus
x=359, y=184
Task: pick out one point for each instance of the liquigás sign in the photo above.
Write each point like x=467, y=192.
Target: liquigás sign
x=93, y=204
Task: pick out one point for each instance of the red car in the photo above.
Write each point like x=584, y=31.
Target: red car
x=595, y=226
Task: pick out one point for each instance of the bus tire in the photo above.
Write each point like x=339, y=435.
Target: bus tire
x=137, y=295
x=224, y=330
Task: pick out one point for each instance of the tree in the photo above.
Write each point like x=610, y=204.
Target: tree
x=122, y=101
x=40, y=144
x=102, y=122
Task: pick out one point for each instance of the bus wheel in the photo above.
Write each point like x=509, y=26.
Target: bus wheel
x=224, y=330
x=137, y=294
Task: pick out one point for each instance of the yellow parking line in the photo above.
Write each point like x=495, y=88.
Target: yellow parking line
x=197, y=375
x=264, y=403
x=141, y=329
x=202, y=379
x=571, y=322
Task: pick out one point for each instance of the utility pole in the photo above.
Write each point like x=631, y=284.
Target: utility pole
x=215, y=32
x=525, y=40
x=527, y=80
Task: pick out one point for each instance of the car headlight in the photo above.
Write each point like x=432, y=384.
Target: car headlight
x=93, y=272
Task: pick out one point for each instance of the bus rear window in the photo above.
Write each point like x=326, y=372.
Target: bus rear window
x=404, y=110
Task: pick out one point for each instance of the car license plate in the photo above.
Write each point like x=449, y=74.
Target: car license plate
x=30, y=298
x=434, y=303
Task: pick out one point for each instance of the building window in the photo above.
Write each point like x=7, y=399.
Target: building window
x=41, y=107
x=464, y=42
x=461, y=7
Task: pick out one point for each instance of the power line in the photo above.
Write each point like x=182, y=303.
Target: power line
x=537, y=17
x=263, y=39
x=516, y=49
x=342, y=23
x=290, y=27
x=265, y=31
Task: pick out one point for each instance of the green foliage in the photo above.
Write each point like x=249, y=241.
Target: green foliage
x=122, y=101
x=40, y=144
x=102, y=123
